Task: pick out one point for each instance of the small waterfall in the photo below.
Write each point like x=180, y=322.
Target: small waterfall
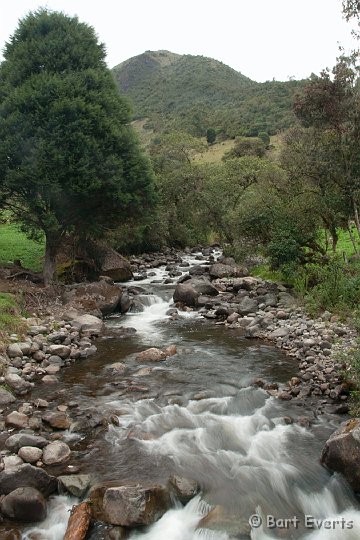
x=54, y=526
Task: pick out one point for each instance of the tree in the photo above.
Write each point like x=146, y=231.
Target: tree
x=69, y=162
x=210, y=136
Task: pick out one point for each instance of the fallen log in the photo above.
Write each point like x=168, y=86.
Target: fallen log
x=79, y=522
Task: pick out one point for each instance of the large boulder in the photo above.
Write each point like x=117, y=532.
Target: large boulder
x=203, y=286
x=93, y=297
x=87, y=324
x=27, y=476
x=115, y=266
x=219, y=271
x=24, y=504
x=186, y=294
x=341, y=452
x=130, y=505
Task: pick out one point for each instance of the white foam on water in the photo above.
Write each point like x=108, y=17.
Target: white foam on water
x=249, y=450
x=54, y=526
x=181, y=524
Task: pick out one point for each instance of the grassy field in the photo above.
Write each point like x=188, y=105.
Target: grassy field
x=215, y=152
x=14, y=244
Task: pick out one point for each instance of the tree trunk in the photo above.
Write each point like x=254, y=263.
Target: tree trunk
x=51, y=249
x=356, y=216
x=352, y=238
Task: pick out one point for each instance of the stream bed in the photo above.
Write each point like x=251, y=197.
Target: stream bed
x=197, y=415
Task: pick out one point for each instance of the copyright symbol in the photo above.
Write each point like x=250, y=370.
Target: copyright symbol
x=255, y=521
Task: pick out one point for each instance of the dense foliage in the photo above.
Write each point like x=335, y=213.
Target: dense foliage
x=199, y=92
x=69, y=163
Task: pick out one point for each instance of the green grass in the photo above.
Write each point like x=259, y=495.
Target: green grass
x=10, y=321
x=14, y=244
x=214, y=152
x=264, y=271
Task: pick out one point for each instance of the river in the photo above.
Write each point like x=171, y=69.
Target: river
x=197, y=415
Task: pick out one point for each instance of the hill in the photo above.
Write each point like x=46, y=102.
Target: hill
x=200, y=92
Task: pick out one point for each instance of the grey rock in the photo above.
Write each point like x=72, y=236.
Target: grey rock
x=185, y=489
x=56, y=452
x=88, y=323
x=30, y=454
x=186, y=294
x=19, y=385
x=14, y=350
x=341, y=452
x=27, y=476
x=59, y=350
x=6, y=397
x=15, y=442
x=76, y=484
x=24, y=504
x=17, y=420
x=247, y=305
x=132, y=505
x=279, y=333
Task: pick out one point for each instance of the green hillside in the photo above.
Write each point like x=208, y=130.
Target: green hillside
x=199, y=92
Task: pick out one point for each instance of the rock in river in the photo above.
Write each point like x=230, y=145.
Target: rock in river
x=24, y=504
x=341, y=452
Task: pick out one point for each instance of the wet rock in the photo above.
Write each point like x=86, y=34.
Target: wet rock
x=24, y=504
x=185, y=489
x=76, y=484
x=50, y=379
x=56, y=452
x=89, y=421
x=30, y=454
x=130, y=505
x=171, y=350
x=57, y=419
x=17, y=420
x=186, y=294
x=27, y=476
x=117, y=368
x=79, y=522
x=151, y=355
x=341, y=452
x=17, y=441
x=12, y=534
x=143, y=372
x=6, y=397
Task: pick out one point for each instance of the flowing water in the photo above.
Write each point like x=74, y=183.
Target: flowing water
x=196, y=415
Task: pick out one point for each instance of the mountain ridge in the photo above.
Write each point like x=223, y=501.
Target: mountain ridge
x=162, y=83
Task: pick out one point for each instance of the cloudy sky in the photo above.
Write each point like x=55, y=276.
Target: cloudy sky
x=264, y=39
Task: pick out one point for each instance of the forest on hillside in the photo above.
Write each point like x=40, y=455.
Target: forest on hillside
x=289, y=200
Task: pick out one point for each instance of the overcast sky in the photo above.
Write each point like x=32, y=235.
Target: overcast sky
x=264, y=39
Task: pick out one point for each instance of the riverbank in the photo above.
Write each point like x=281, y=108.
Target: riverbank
x=245, y=306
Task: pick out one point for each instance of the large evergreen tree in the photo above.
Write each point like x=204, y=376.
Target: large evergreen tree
x=69, y=162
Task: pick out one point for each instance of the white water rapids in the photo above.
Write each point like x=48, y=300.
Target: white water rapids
x=244, y=455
